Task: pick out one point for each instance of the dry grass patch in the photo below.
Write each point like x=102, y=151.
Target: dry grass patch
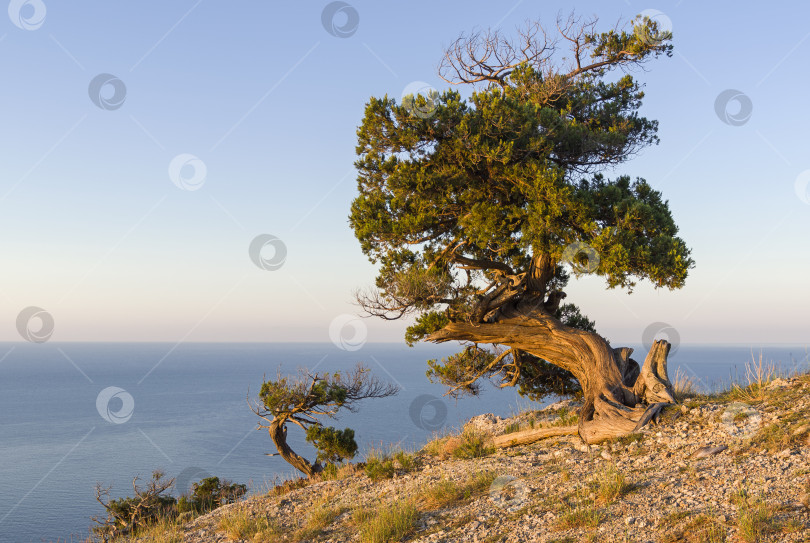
x=319, y=518
x=758, y=375
x=609, y=485
x=565, y=417
x=585, y=515
x=386, y=523
x=445, y=493
x=700, y=529
x=286, y=487
x=163, y=531
x=756, y=518
x=332, y=472
x=683, y=386
x=241, y=524
x=468, y=444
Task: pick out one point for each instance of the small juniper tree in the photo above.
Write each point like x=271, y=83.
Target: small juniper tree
x=300, y=400
x=126, y=515
x=211, y=492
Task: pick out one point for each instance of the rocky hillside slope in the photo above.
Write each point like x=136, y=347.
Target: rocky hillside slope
x=733, y=467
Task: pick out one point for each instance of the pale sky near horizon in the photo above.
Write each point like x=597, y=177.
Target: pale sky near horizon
x=95, y=232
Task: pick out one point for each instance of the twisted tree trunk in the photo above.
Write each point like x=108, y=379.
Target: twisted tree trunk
x=619, y=397
x=278, y=433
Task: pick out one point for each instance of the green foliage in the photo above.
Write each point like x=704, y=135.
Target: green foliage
x=461, y=199
x=210, y=492
x=380, y=468
x=126, y=515
x=384, y=465
x=456, y=370
x=540, y=379
x=303, y=399
x=333, y=445
x=406, y=460
x=284, y=395
x=569, y=315
x=329, y=472
x=136, y=511
x=149, y=507
x=184, y=505
x=426, y=324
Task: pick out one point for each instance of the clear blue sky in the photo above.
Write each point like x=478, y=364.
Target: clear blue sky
x=95, y=232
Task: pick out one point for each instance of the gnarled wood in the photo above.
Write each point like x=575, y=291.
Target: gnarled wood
x=654, y=385
x=619, y=398
x=530, y=436
x=278, y=433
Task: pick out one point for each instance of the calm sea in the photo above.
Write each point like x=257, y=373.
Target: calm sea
x=76, y=414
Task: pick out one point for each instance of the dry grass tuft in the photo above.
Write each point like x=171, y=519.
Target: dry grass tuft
x=683, y=386
x=758, y=374
x=609, y=485
x=240, y=524
x=468, y=444
x=386, y=523
x=445, y=493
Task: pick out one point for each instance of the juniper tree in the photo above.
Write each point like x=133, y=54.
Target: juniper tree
x=300, y=400
x=479, y=210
